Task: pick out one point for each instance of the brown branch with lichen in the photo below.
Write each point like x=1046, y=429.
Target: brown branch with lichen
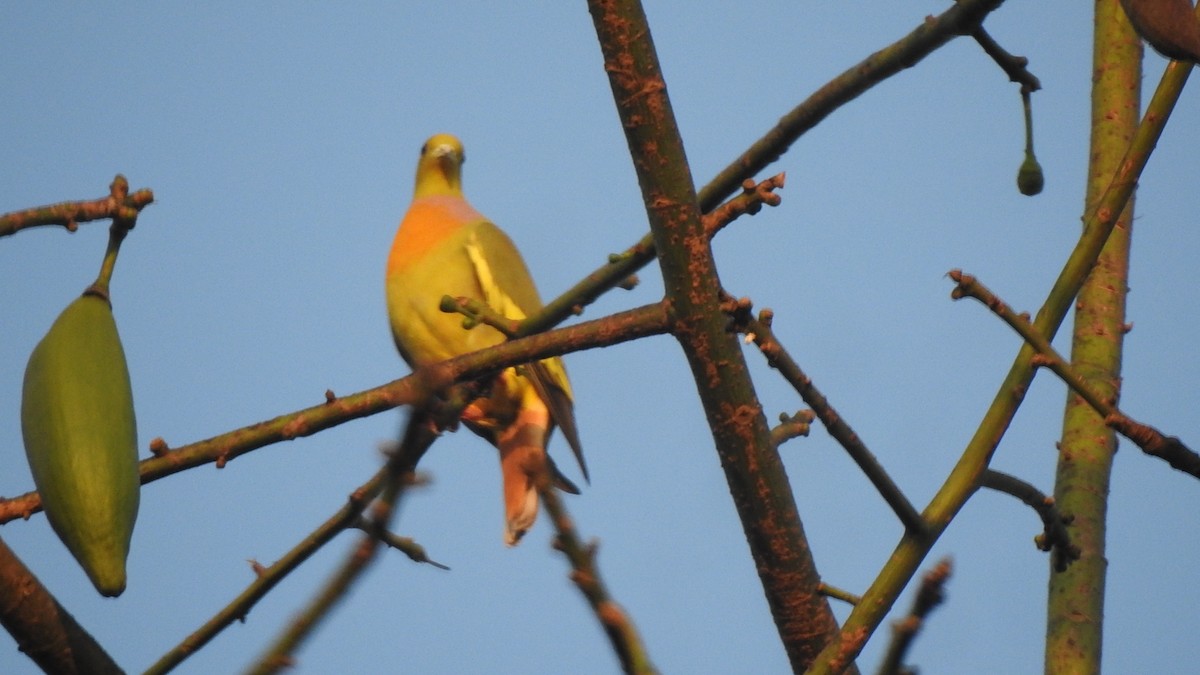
x=1152, y=441
x=118, y=205
x=43, y=629
x=760, y=332
x=753, y=469
x=1054, y=536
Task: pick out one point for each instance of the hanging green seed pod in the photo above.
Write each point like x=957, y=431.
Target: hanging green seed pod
x=1030, y=179
x=80, y=437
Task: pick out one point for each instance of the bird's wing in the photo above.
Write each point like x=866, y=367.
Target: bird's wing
x=508, y=289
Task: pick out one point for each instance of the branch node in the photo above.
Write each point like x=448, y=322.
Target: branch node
x=158, y=447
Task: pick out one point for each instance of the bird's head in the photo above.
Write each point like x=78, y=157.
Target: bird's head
x=439, y=171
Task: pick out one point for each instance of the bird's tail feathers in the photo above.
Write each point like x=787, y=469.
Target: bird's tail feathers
x=522, y=459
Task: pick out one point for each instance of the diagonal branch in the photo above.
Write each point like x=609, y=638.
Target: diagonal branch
x=930, y=594
x=1150, y=440
x=961, y=19
x=753, y=470
x=43, y=629
x=621, y=266
x=270, y=576
x=397, y=475
x=760, y=332
x=623, y=635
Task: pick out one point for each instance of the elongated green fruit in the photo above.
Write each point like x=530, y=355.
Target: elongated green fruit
x=81, y=438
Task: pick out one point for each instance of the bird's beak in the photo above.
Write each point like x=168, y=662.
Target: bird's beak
x=445, y=153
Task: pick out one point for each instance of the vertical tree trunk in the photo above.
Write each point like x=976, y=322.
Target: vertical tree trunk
x=1075, y=613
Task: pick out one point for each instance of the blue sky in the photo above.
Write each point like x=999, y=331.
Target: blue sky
x=280, y=141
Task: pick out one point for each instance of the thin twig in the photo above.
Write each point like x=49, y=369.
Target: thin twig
x=269, y=577
x=406, y=545
x=760, y=332
x=1152, y=441
x=585, y=574
x=1054, y=536
x=792, y=426
x=1016, y=67
x=123, y=206
x=839, y=594
x=929, y=595
x=398, y=474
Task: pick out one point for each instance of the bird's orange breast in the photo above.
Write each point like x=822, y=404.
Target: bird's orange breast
x=429, y=222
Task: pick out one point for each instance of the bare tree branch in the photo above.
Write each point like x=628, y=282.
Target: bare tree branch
x=1152, y=441
x=268, y=577
x=620, y=327
x=585, y=574
x=118, y=205
x=43, y=629
x=753, y=469
x=760, y=332
x=1054, y=536
x=930, y=594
